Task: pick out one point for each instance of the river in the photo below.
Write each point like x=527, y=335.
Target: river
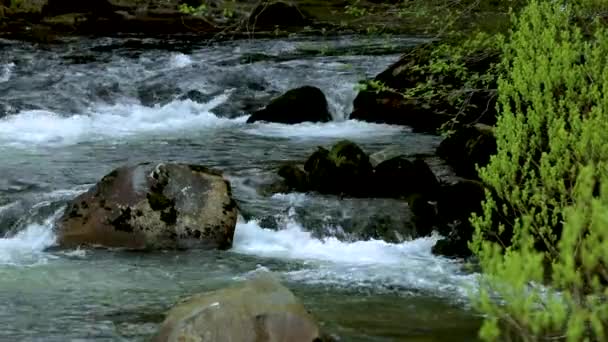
x=71, y=112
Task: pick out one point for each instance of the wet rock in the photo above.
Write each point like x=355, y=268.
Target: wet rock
x=345, y=169
x=425, y=114
x=321, y=171
x=196, y=96
x=381, y=227
x=456, y=203
x=468, y=147
x=295, y=177
x=258, y=310
x=305, y=104
x=400, y=177
x=269, y=14
x=384, y=154
x=157, y=94
x=152, y=206
x=424, y=214
x=452, y=246
x=352, y=167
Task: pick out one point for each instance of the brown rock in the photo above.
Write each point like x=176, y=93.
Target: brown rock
x=148, y=206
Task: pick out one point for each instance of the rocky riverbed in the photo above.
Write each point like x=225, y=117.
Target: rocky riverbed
x=74, y=110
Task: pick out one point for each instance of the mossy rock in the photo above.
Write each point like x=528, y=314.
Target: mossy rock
x=152, y=206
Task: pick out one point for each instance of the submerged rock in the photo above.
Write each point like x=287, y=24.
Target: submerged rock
x=152, y=206
x=258, y=310
x=304, y=104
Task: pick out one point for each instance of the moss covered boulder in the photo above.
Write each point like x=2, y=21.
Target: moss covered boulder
x=152, y=206
x=258, y=310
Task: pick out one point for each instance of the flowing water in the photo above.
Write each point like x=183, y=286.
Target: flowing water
x=71, y=112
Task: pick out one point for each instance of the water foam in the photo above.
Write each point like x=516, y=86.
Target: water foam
x=26, y=248
x=180, y=60
x=408, y=266
x=334, y=129
x=6, y=71
x=118, y=121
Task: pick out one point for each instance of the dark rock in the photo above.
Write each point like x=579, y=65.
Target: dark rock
x=456, y=203
x=270, y=14
x=260, y=309
x=399, y=177
x=305, y=104
x=381, y=227
x=424, y=214
x=321, y=171
x=452, y=246
x=425, y=114
x=148, y=206
x=468, y=147
x=295, y=178
x=353, y=169
x=196, y=96
x=157, y=94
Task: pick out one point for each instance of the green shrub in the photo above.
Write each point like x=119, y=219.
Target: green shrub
x=542, y=241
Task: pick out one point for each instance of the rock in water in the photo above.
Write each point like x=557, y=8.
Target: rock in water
x=469, y=147
x=148, y=206
x=305, y=104
x=259, y=310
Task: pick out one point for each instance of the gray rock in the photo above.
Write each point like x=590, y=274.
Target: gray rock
x=259, y=310
x=152, y=206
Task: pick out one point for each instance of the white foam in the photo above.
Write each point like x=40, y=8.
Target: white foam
x=374, y=263
x=6, y=71
x=27, y=247
x=293, y=198
x=118, y=121
x=334, y=129
x=179, y=60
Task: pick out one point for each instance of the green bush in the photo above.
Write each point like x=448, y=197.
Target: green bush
x=542, y=241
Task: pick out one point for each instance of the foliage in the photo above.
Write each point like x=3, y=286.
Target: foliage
x=191, y=10
x=542, y=240
x=355, y=9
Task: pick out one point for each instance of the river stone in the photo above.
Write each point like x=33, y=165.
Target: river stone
x=468, y=148
x=258, y=310
x=304, y=104
x=152, y=206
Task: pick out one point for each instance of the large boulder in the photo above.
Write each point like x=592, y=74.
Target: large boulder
x=467, y=148
x=400, y=177
x=427, y=113
x=152, y=206
x=304, y=104
x=259, y=310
